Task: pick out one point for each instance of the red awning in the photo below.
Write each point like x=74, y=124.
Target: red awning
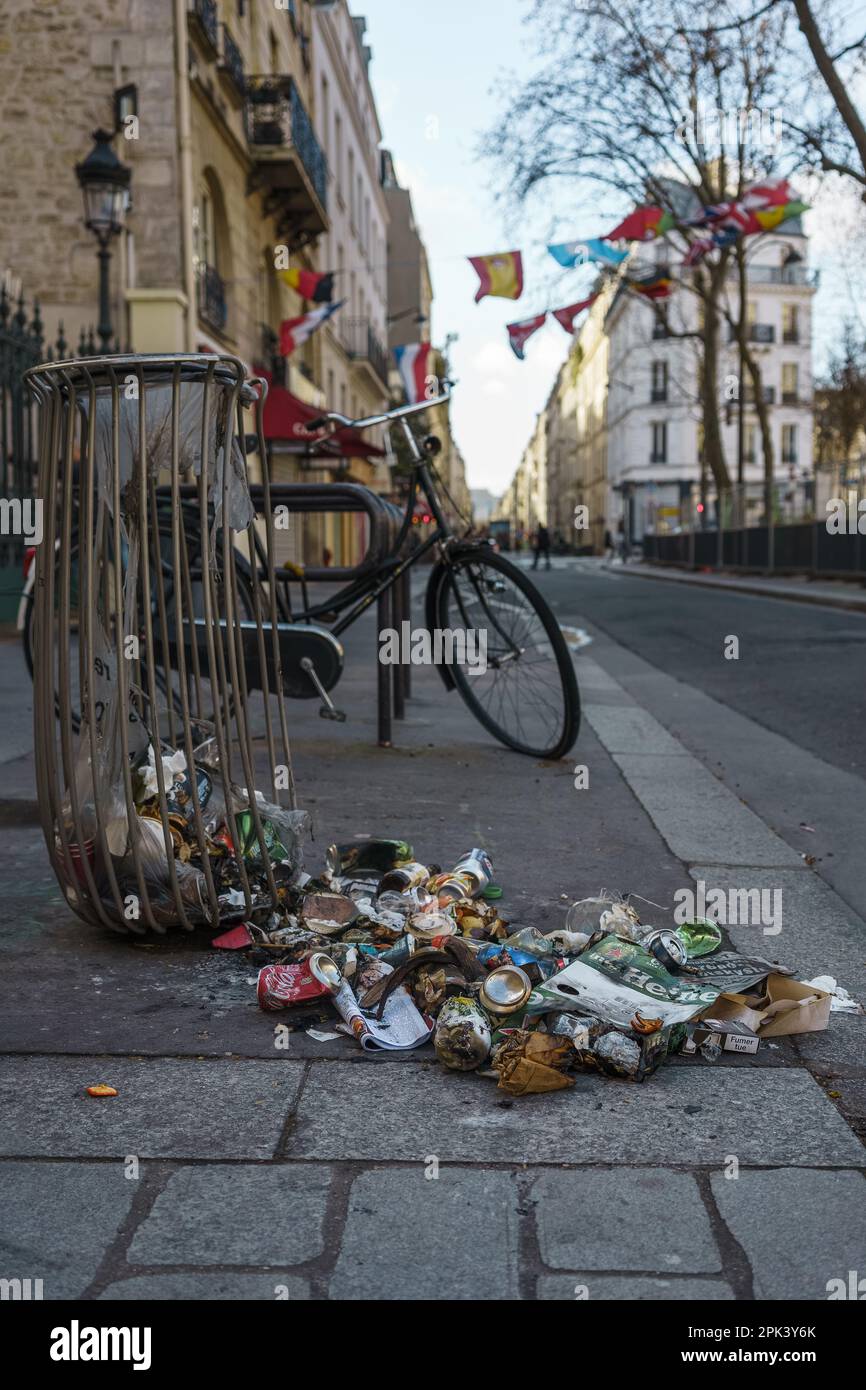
x=286, y=419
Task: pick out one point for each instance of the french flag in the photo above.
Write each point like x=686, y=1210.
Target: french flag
x=413, y=364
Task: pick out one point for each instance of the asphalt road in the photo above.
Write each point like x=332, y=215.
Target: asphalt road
x=801, y=670
x=782, y=726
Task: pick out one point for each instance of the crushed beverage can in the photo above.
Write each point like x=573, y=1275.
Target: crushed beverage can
x=404, y=877
x=505, y=990
x=469, y=877
x=291, y=986
x=668, y=949
x=369, y=857
x=462, y=1037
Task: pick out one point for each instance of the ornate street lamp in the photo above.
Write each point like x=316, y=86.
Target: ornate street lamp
x=105, y=186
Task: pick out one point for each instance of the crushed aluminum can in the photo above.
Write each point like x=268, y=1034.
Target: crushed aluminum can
x=291, y=986
x=403, y=878
x=328, y=913
x=667, y=948
x=400, y=951
x=469, y=877
x=425, y=926
x=572, y=1026
x=505, y=990
x=462, y=1037
x=618, y=1053
x=367, y=858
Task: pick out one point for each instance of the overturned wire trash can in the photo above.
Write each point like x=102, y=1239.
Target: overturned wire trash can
x=157, y=662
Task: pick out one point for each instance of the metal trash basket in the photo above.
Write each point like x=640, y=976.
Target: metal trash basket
x=150, y=606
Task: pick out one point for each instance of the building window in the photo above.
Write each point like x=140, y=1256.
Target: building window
x=338, y=153
x=659, y=442
x=790, y=383
x=352, y=188
x=331, y=388
x=274, y=49
x=751, y=442
x=789, y=443
x=790, y=323
x=660, y=381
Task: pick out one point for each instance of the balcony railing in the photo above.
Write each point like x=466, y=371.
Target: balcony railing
x=205, y=17
x=659, y=393
x=232, y=63
x=211, y=295
x=658, y=458
x=363, y=345
x=768, y=394
x=661, y=330
x=791, y=398
x=762, y=333
x=277, y=118
x=791, y=335
x=778, y=275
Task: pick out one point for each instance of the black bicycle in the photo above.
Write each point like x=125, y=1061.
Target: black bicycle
x=500, y=644
x=505, y=651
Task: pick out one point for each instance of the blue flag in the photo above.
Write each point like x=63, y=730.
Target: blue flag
x=570, y=253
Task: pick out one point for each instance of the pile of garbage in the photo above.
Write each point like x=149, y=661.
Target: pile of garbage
x=227, y=854
x=396, y=953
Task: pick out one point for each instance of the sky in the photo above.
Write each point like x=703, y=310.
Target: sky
x=435, y=74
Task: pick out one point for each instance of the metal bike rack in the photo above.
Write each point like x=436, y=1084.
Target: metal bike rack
x=392, y=607
x=145, y=764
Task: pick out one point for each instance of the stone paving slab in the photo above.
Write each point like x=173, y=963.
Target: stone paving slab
x=682, y=1114
x=839, y=1050
x=630, y=729
x=412, y=1237
x=165, y=1109
x=235, y=1214
x=572, y=1286
x=820, y=934
x=699, y=818
x=798, y=1229
x=270, y=1287
x=57, y=1220
x=642, y=1219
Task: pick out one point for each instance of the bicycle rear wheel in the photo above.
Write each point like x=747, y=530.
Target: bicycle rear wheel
x=524, y=690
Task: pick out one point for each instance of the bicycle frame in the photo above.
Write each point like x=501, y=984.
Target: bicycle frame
x=368, y=588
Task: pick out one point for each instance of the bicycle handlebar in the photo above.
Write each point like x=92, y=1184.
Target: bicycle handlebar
x=333, y=417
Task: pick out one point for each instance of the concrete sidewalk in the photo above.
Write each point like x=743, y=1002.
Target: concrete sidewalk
x=229, y=1169
x=826, y=593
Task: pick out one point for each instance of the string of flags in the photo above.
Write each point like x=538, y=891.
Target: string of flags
x=761, y=207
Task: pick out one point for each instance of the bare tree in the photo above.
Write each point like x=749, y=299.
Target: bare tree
x=623, y=98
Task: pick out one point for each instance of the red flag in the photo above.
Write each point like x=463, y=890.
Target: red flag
x=567, y=316
x=520, y=333
x=641, y=225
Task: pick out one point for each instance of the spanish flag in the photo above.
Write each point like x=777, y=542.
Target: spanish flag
x=309, y=284
x=500, y=274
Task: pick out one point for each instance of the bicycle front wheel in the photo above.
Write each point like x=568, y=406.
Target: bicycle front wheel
x=520, y=683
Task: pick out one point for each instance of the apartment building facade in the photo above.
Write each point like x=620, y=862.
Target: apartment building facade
x=410, y=308
x=254, y=147
x=633, y=412
x=653, y=433
x=354, y=352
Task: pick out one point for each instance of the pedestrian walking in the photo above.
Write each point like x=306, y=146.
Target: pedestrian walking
x=623, y=540
x=542, y=547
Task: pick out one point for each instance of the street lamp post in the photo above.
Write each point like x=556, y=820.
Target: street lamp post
x=104, y=183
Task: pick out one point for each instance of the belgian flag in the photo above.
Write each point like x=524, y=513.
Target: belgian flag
x=309, y=283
